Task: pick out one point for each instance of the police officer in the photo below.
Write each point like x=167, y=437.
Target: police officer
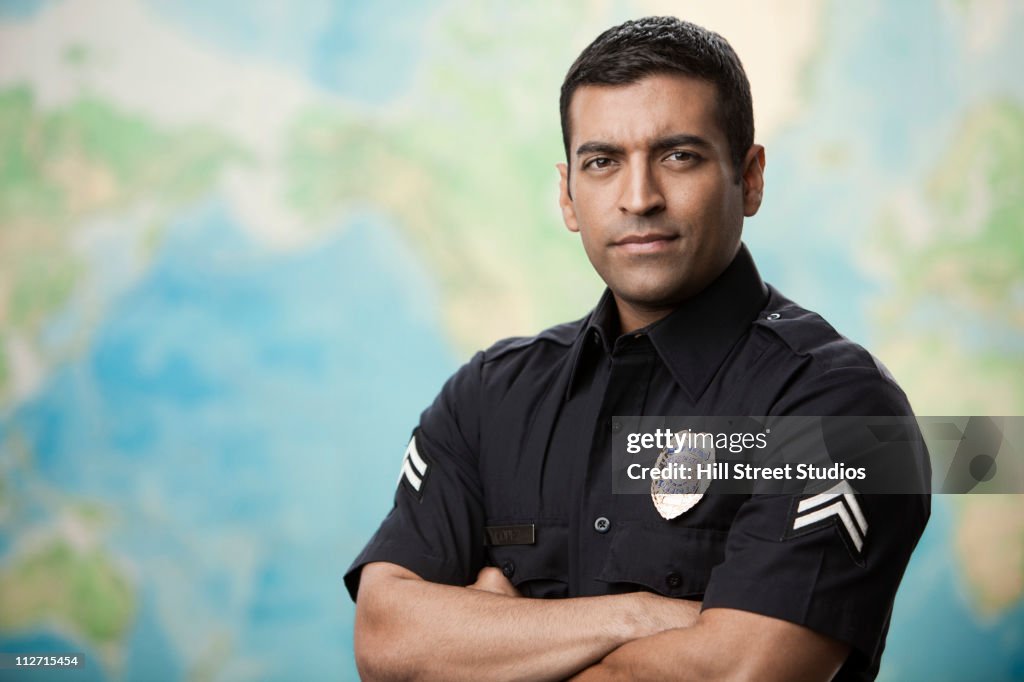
x=506, y=554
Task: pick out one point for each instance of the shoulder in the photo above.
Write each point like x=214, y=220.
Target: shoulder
x=515, y=369
x=807, y=335
x=529, y=358
x=557, y=339
x=495, y=368
x=827, y=369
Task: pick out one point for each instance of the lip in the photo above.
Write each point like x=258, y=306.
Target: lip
x=649, y=242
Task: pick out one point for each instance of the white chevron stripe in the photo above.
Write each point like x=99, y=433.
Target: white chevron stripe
x=410, y=475
x=835, y=509
x=832, y=493
x=815, y=501
x=851, y=501
x=414, y=467
x=413, y=454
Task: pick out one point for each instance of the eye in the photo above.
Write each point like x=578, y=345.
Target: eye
x=683, y=157
x=598, y=162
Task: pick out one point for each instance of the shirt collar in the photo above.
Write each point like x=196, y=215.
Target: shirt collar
x=694, y=340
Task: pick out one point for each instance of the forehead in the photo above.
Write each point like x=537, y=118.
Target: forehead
x=651, y=108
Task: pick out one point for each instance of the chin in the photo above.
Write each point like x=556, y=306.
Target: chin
x=653, y=297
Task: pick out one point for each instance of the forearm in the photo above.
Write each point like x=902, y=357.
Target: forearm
x=676, y=654
x=409, y=628
x=454, y=633
x=725, y=645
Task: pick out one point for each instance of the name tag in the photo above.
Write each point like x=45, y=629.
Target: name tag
x=510, y=535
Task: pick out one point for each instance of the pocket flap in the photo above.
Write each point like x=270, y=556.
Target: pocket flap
x=674, y=561
x=540, y=569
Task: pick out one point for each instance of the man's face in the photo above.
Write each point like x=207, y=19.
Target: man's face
x=653, y=190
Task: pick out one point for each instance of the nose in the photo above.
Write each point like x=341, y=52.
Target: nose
x=641, y=194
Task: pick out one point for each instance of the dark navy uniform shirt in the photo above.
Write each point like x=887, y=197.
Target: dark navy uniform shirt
x=520, y=436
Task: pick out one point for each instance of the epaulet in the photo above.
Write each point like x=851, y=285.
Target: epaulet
x=808, y=334
x=563, y=335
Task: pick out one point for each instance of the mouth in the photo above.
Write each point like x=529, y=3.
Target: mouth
x=648, y=242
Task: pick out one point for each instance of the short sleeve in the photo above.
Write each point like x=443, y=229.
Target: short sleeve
x=435, y=528
x=815, y=574
x=830, y=561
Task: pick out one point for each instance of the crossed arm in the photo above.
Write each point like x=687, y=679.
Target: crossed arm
x=409, y=628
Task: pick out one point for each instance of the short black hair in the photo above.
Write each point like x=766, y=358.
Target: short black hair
x=639, y=48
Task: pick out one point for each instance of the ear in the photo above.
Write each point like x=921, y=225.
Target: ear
x=753, y=179
x=564, y=200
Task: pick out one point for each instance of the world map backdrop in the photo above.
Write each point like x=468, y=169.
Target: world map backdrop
x=242, y=245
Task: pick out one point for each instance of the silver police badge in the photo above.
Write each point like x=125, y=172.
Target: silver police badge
x=681, y=484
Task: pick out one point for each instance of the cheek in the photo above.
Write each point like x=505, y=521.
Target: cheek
x=594, y=242
x=709, y=206
x=591, y=221
x=592, y=247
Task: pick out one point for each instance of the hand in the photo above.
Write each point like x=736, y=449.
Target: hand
x=491, y=579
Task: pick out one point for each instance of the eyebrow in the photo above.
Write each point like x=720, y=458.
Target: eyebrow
x=599, y=148
x=660, y=144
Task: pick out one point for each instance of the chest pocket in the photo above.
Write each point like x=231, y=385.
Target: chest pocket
x=674, y=561
x=540, y=570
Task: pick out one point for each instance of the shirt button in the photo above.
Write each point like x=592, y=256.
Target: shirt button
x=602, y=524
x=616, y=426
x=595, y=339
x=673, y=580
x=774, y=316
x=508, y=569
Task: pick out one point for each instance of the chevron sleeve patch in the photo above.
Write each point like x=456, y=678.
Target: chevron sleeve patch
x=839, y=506
x=415, y=469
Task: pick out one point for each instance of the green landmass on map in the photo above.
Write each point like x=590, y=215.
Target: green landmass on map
x=954, y=307
x=81, y=590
